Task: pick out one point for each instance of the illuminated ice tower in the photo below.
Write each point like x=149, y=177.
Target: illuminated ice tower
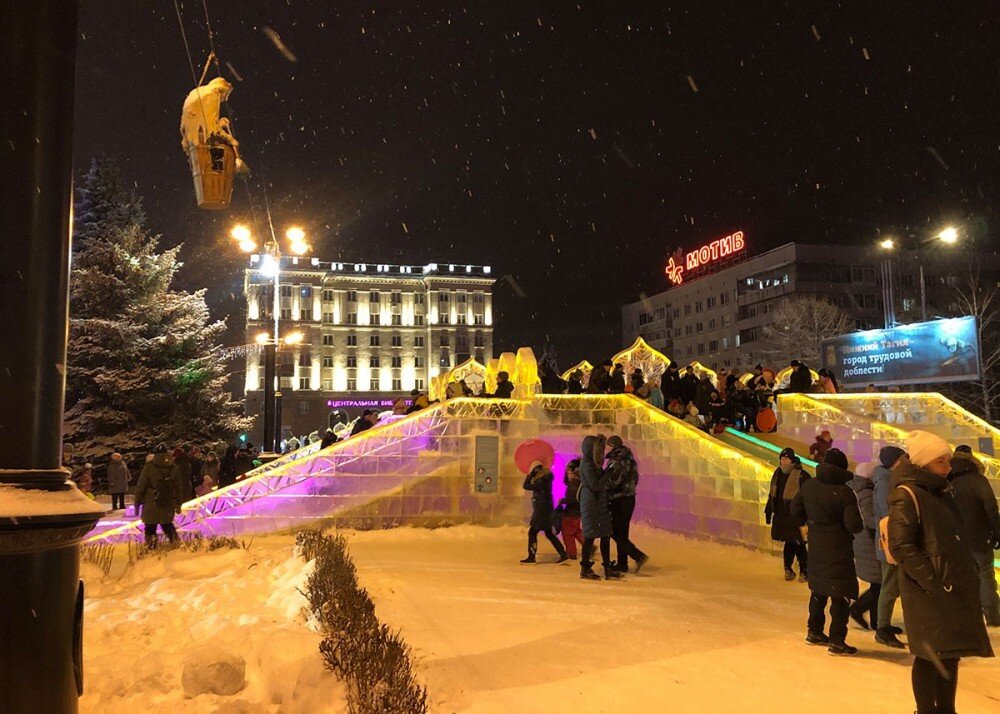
x=371, y=332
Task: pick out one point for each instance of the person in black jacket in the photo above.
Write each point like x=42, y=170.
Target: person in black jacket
x=621, y=494
x=539, y=482
x=574, y=385
x=616, y=382
x=329, y=438
x=828, y=506
x=938, y=582
x=670, y=383
x=785, y=484
x=688, y=386
x=505, y=388
x=800, y=380
x=594, y=510
x=977, y=504
x=600, y=378
x=572, y=531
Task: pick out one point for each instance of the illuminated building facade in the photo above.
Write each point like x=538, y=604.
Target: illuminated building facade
x=718, y=317
x=371, y=332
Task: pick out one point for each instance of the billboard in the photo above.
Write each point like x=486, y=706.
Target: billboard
x=921, y=353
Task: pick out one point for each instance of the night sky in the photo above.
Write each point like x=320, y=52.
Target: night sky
x=571, y=146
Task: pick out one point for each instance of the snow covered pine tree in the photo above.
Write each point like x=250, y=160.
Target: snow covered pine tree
x=144, y=363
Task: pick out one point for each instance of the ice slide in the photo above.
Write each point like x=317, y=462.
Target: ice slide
x=766, y=447
x=420, y=470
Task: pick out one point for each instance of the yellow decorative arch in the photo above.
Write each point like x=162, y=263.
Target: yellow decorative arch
x=471, y=371
x=643, y=357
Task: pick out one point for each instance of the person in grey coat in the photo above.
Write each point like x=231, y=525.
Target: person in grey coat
x=117, y=481
x=160, y=493
x=866, y=563
x=595, y=511
x=891, y=458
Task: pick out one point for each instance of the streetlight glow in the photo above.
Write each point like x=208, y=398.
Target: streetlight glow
x=269, y=266
x=297, y=239
x=293, y=338
x=262, y=338
x=887, y=244
x=948, y=235
x=241, y=233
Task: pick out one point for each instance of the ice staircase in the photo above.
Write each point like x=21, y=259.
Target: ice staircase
x=420, y=471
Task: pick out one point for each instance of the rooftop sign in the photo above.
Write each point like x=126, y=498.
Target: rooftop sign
x=700, y=260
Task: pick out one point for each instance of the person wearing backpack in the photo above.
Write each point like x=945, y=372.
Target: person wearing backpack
x=977, y=505
x=159, y=492
x=621, y=496
x=828, y=505
x=938, y=581
x=890, y=459
x=539, y=482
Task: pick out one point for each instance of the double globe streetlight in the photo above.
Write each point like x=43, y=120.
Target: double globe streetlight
x=272, y=344
x=948, y=236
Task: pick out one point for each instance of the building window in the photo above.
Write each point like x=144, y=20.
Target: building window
x=478, y=339
x=698, y=327
x=328, y=340
x=286, y=291
x=462, y=318
x=418, y=362
x=397, y=385
x=352, y=318
x=352, y=340
x=303, y=382
x=713, y=345
x=397, y=362
x=397, y=341
x=327, y=385
x=396, y=298
x=352, y=360
x=328, y=318
x=304, y=359
x=352, y=385
x=286, y=313
x=419, y=299
x=479, y=357
x=462, y=342
x=419, y=385
x=305, y=314
x=443, y=296
x=725, y=343
x=445, y=319
x=306, y=291
x=352, y=296
x=478, y=297
x=687, y=309
x=711, y=324
x=444, y=361
x=677, y=312
x=698, y=306
x=477, y=319
x=701, y=348
x=418, y=341
x=397, y=319
x=373, y=296
x=443, y=339
x=460, y=297
x=689, y=350
x=373, y=384
x=375, y=341
x=687, y=329
x=375, y=361
x=709, y=303
x=303, y=407
x=328, y=296
x=724, y=298
x=327, y=360
x=373, y=319
x=418, y=320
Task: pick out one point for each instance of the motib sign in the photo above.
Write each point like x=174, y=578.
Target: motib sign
x=701, y=260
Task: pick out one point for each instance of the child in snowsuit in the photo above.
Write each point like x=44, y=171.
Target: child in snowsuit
x=539, y=482
x=817, y=452
x=572, y=530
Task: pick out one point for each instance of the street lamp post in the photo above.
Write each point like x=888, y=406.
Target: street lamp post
x=270, y=267
x=948, y=236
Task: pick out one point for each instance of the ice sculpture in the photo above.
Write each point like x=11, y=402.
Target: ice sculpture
x=526, y=381
x=641, y=356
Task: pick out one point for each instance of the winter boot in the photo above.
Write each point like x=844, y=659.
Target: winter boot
x=817, y=638
x=884, y=636
x=643, y=559
x=562, y=557
x=532, y=550
x=803, y=578
x=789, y=574
x=612, y=573
x=587, y=571
x=529, y=559
x=841, y=649
x=859, y=618
x=895, y=630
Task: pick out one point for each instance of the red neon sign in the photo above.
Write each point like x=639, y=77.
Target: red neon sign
x=705, y=256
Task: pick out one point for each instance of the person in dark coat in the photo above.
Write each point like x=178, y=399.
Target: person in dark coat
x=572, y=530
x=890, y=459
x=670, y=383
x=244, y=463
x=574, y=385
x=828, y=506
x=977, y=504
x=117, y=481
x=938, y=582
x=865, y=562
x=539, y=481
x=800, y=380
x=622, y=486
x=600, y=378
x=329, y=438
x=594, y=509
x=688, y=386
x=160, y=493
x=182, y=460
x=552, y=383
x=227, y=467
x=616, y=382
x=505, y=388
x=366, y=421
x=785, y=484
x=637, y=380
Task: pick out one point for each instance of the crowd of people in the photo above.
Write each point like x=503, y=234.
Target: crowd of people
x=922, y=526
x=597, y=508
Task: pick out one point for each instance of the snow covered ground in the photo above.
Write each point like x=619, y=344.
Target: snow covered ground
x=142, y=625
x=704, y=628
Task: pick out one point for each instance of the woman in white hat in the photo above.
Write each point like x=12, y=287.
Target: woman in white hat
x=938, y=582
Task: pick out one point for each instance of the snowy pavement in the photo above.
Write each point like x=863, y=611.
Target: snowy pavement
x=141, y=626
x=705, y=628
